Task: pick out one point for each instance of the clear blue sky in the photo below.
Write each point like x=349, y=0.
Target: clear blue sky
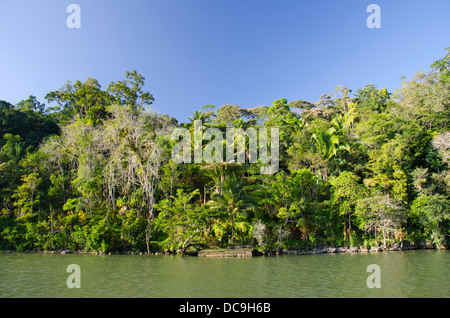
x=197, y=52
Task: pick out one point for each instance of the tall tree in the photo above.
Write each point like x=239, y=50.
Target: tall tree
x=432, y=213
x=345, y=193
x=380, y=213
x=233, y=200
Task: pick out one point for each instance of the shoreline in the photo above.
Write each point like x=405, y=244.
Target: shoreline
x=249, y=251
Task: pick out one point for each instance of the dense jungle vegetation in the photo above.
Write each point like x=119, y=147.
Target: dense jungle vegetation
x=94, y=171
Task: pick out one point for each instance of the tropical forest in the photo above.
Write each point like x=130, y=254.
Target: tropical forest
x=93, y=170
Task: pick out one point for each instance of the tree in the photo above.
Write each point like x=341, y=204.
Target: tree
x=259, y=232
x=379, y=213
x=300, y=105
x=425, y=98
x=170, y=178
x=26, y=194
x=10, y=170
x=432, y=213
x=388, y=169
x=328, y=143
x=228, y=114
x=281, y=116
x=31, y=104
x=371, y=99
x=199, y=115
x=87, y=100
x=345, y=193
x=181, y=220
x=442, y=143
x=233, y=200
x=130, y=93
x=442, y=67
x=28, y=121
x=290, y=192
x=135, y=159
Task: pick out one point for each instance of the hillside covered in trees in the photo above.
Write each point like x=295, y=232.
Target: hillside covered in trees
x=95, y=171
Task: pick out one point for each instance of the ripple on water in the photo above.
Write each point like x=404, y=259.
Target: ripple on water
x=403, y=274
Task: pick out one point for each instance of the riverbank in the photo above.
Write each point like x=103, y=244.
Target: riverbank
x=362, y=249
x=250, y=251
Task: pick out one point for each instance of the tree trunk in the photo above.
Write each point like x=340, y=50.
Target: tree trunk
x=376, y=232
x=232, y=230
x=148, y=232
x=350, y=228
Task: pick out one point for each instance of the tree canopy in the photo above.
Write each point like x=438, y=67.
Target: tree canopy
x=92, y=170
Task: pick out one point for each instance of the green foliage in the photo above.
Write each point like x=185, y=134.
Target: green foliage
x=432, y=213
x=380, y=214
x=232, y=201
x=28, y=121
x=328, y=143
x=93, y=172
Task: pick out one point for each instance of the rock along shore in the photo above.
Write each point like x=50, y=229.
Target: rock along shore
x=250, y=251
x=362, y=249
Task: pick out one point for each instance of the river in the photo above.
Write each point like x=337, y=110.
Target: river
x=418, y=273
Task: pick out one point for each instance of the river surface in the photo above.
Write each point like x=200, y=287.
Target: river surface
x=419, y=273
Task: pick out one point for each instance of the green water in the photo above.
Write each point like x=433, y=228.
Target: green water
x=423, y=273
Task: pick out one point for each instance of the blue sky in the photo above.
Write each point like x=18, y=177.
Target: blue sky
x=198, y=52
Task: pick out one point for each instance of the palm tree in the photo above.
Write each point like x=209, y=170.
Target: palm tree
x=328, y=143
x=199, y=115
x=216, y=172
x=240, y=123
x=232, y=200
